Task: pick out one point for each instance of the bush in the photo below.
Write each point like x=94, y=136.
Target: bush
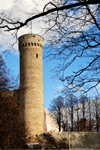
x=47, y=141
x=12, y=131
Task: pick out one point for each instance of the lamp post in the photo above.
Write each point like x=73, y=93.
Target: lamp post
x=59, y=120
x=77, y=118
x=68, y=126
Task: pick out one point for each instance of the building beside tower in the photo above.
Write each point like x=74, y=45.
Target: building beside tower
x=31, y=82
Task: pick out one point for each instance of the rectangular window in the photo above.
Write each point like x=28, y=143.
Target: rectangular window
x=36, y=55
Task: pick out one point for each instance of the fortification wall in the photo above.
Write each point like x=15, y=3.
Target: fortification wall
x=90, y=140
x=50, y=125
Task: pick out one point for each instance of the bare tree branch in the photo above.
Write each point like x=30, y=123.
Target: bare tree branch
x=65, y=7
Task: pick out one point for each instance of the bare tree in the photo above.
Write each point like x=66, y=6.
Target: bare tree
x=83, y=101
x=15, y=24
x=97, y=112
x=6, y=79
x=56, y=107
x=77, y=111
x=73, y=31
x=70, y=102
x=90, y=114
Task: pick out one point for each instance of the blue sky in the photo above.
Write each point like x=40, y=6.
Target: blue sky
x=17, y=9
x=51, y=86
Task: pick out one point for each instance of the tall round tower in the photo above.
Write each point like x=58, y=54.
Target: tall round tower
x=31, y=82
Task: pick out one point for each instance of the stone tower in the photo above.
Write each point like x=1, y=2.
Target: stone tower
x=31, y=82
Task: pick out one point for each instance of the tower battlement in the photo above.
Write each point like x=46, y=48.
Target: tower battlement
x=30, y=40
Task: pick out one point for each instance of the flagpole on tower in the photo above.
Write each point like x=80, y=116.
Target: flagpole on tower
x=31, y=26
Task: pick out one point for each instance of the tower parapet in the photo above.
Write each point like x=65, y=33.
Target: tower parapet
x=31, y=82
x=31, y=40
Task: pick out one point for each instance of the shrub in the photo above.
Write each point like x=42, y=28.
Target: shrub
x=47, y=141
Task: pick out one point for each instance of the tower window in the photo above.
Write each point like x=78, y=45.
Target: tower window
x=36, y=55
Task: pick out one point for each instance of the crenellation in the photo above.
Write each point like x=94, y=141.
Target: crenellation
x=31, y=44
x=27, y=41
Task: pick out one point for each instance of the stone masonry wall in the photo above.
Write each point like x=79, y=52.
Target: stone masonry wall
x=50, y=125
x=90, y=140
x=31, y=82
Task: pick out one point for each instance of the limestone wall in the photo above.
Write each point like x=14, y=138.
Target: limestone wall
x=90, y=140
x=50, y=125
